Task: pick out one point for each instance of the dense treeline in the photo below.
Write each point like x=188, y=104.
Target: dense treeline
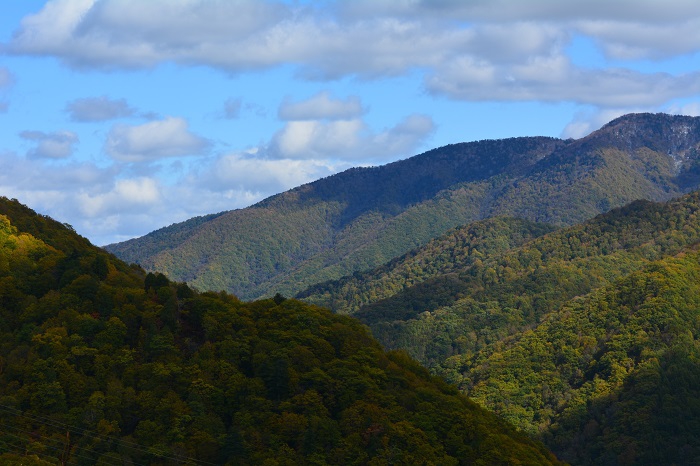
x=364, y=217
x=611, y=379
x=103, y=364
x=447, y=254
x=462, y=310
x=514, y=331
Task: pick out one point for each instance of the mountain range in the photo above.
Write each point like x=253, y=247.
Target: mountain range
x=103, y=363
x=585, y=337
x=362, y=218
x=554, y=282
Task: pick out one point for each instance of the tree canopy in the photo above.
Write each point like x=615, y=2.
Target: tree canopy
x=101, y=363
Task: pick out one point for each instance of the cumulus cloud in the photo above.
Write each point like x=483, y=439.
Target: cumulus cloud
x=18, y=171
x=321, y=106
x=496, y=50
x=61, y=190
x=349, y=139
x=555, y=79
x=93, y=109
x=627, y=40
x=129, y=33
x=108, y=204
x=57, y=145
x=153, y=141
x=126, y=194
x=244, y=173
x=512, y=48
x=517, y=10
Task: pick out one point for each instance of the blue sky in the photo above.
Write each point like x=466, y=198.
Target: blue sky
x=123, y=116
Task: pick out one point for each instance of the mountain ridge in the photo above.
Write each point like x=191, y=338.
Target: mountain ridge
x=569, y=335
x=363, y=217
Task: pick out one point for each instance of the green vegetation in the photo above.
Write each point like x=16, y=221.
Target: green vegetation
x=610, y=379
x=101, y=363
x=364, y=217
x=584, y=337
x=446, y=255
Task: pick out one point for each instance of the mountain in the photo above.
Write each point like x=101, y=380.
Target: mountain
x=612, y=378
x=364, y=217
x=101, y=363
x=442, y=257
x=585, y=337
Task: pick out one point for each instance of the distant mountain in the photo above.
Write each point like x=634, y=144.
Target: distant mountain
x=101, y=363
x=585, y=337
x=364, y=217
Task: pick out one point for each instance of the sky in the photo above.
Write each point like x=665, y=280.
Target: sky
x=120, y=117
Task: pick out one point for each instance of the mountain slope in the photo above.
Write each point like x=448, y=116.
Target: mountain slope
x=486, y=301
x=611, y=379
x=445, y=255
x=362, y=218
x=103, y=364
x=583, y=337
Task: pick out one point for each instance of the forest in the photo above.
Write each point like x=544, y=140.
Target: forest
x=520, y=301
x=583, y=337
x=102, y=363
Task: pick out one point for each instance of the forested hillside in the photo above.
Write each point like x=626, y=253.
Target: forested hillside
x=584, y=337
x=448, y=254
x=101, y=363
x=364, y=217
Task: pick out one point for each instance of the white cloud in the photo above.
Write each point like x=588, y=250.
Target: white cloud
x=57, y=145
x=317, y=139
x=500, y=50
x=244, y=173
x=321, y=106
x=554, y=79
x=131, y=33
x=109, y=204
x=518, y=10
x=38, y=175
x=154, y=140
x=633, y=40
x=349, y=139
x=126, y=194
x=496, y=50
x=98, y=109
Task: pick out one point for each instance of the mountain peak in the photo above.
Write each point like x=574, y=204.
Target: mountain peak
x=672, y=134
